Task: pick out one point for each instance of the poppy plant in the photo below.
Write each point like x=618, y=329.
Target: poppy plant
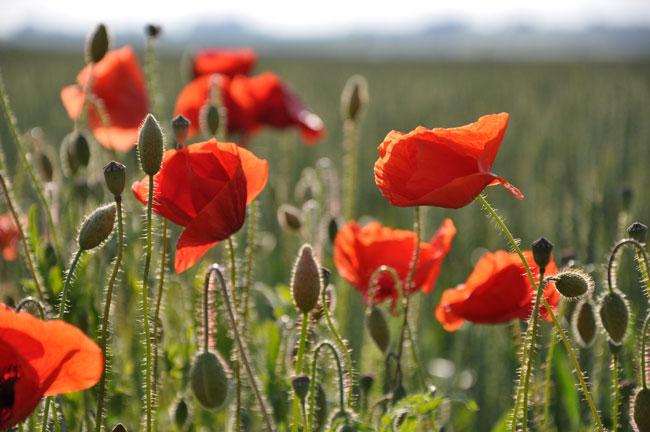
x=441, y=167
x=497, y=291
x=359, y=251
x=9, y=237
x=118, y=87
x=204, y=187
x=41, y=358
x=250, y=103
x=228, y=62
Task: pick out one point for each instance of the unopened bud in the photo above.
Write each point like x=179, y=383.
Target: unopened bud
x=45, y=166
x=152, y=30
x=181, y=413
x=573, y=284
x=115, y=177
x=151, y=143
x=300, y=385
x=354, y=98
x=209, y=119
x=638, y=232
x=209, y=380
x=97, y=44
x=81, y=150
x=542, y=252
x=366, y=382
x=181, y=127
x=97, y=227
x=614, y=315
x=584, y=324
x=306, y=282
x=378, y=328
x=641, y=410
x=398, y=394
x=75, y=152
x=119, y=428
x=332, y=228
x=289, y=217
x=627, y=193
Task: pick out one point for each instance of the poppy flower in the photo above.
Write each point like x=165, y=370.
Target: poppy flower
x=497, y=291
x=204, y=187
x=441, y=167
x=118, y=85
x=9, y=237
x=41, y=358
x=359, y=251
x=251, y=103
x=228, y=62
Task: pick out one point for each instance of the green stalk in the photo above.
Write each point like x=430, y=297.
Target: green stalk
x=233, y=282
x=312, y=385
x=99, y=420
x=409, y=280
x=156, y=315
x=644, y=342
x=351, y=165
x=145, y=309
x=301, y=353
x=642, y=258
x=250, y=254
x=616, y=392
x=549, y=367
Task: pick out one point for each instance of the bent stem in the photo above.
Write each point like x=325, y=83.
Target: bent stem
x=312, y=386
x=145, y=309
x=644, y=341
x=642, y=258
x=409, y=280
x=549, y=367
x=301, y=353
x=156, y=315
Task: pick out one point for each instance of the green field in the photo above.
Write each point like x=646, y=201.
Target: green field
x=578, y=134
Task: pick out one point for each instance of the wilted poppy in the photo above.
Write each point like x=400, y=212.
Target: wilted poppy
x=250, y=103
x=441, y=167
x=41, y=358
x=359, y=251
x=119, y=88
x=204, y=187
x=9, y=237
x=497, y=291
x=229, y=62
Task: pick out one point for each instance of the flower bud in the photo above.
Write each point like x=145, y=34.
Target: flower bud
x=151, y=143
x=584, y=324
x=327, y=275
x=152, y=30
x=320, y=405
x=398, y=394
x=627, y=193
x=378, y=328
x=573, y=284
x=181, y=413
x=300, y=385
x=209, y=119
x=614, y=348
x=97, y=44
x=332, y=229
x=115, y=177
x=209, y=380
x=614, y=315
x=75, y=152
x=638, y=232
x=641, y=410
x=330, y=298
x=97, y=227
x=306, y=281
x=542, y=252
x=354, y=98
x=289, y=217
x=45, y=166
x=119, y=428
x=181, y=127
x=366, y=382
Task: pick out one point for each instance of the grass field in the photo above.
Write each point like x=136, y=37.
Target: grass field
x=578, y=134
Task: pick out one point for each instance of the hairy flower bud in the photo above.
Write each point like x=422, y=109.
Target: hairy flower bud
x=181, y=413
x=115, y=177
x=300, y=384
x=152, y=30
x=641, y=410
x=542, y=252
x=354, y=98
x=119, y=428
x=289, y=217
x=97, y=44
x=151, y=143
x=378, y=327
x=306, y=282
x=209, y=380
x=614, y=315
x=181, y=127
x=75, y=152
x=584, y=323
x=97, y=227
x=573, y=284
x=366, y=382
x=44, y=166
x=399, y=393
x=210, y=119
x=638, y=232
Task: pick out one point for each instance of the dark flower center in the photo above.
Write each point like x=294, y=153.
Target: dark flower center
x=8, y=378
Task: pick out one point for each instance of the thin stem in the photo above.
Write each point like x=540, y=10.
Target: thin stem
x=644, y=341
x=351, y=163
x=23, y=155
x=23, y=238
x=301, y=353
x=86, y=91
x=32, y=301
x=206, y=324
x=616, y=393
x=409, y=280
x=150, y=75
x=145, y=309
x=312, y=386
x=250, y=255
x=641, y=252
x=66, y=285
x=233, y=284
x=107, y=308
x=156, y=315
x=549, y=367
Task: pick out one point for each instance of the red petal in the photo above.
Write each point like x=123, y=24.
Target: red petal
x=73, y=99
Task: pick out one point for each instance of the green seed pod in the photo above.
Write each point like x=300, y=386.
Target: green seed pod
x=583, y=323
x=573, y=284
x=119, y=428
x=209, y=380
x=300, y=385
x=209, y=119
x=638, y=232
x=332, y=229
x=181, y=413
x=97, y=227
x=306, y=282
x=289, y=217
x=378, y=328
x=151, y=143
x=45, y=167
x=115, y=177
x=320, y=408
x=614, y=315
x=81, y=150
x=74, y=153
x=641, y=410
x=542, y=252
x=354, y=97
x=97, y=44
x=181, y=127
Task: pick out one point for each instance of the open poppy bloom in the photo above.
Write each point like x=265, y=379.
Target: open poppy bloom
x=251, y=103
x=204, y=187
x=228, y=62
x=441, y=167
x=497, y=291
x=359, y=251
x=41, y=358
x=118, y=85
x=9, y=237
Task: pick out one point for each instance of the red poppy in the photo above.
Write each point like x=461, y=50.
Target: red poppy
x=497, y=291
x=119, y=87
x=441, y=167
x=250, y=102
x=9, y=237
x=229, y=62
x=41, y=358
x=358, y=252
x=204, y=187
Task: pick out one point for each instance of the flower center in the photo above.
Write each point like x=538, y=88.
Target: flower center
x=8, y=378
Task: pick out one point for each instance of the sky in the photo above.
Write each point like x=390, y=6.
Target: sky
x=320, y=18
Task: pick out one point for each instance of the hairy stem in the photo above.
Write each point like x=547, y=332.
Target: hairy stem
x=301, y=353
x=145, y=310
x=644, y=342
x=233, y=284
x=409, y=280
x=312, y=385
x=549, y=368
x=250, y=255
x=156, y=315
x=616, y=393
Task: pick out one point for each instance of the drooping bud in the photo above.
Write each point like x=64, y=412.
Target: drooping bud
x=81, y=150
x=181, y=127
x=119, y=428
x=306, y=282
x=209, y=380
x=638, y=232
x=584, y=324
x=45, y=166
x=97, y=44
x=641, y=410
x=542, y=252
x=573, y=284
x=378, y=328
x=366, y=382
x=151, y=143
x=327, y=275
x=614, y=315
x=614, y=348
x=152, y=30
x=181, y=413
x=354, y=98
x=209, y=119
x=289, y=217
x=75, y=152
x=332, y=229
x=300, y=385
x=115, y=177
x=398, y=394
x=320, y=411
x=97, y=227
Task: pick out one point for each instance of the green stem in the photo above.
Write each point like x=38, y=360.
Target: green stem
x=151, y=80
x=350, y=162
x=644, y=263
x=66, y=285
x=549, y=367
x=644, y=341
x=206, y=323
x=233, y=283
x=156, y=315
x=145, y=309
x=39, y=190
x=301, y=353
x=409, y=280
x=250, y=255
x=312, y=385
x=107, y=308
x=32, y=301
x=616, y=393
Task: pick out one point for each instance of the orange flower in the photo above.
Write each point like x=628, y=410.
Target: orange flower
x=497, y=291
x=228, y=62
x=204, y=187
x=358, y=252
x=441, y=167
x=9, y=237
x=41, y=358
x=119, y=87
x=251, y=103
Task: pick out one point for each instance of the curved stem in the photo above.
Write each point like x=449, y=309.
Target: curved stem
x=398, y=283
x=107, y=308
x=31, y=300
x=250, y=254
x=641, y=252
x=409, y=280
x=156, y=314
x=66, y=285
x=644, y=342
x=616, y=393
x=301, y=353
x=233, y=284
x=549, y=367
x=312, y=386
x=145, y=310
